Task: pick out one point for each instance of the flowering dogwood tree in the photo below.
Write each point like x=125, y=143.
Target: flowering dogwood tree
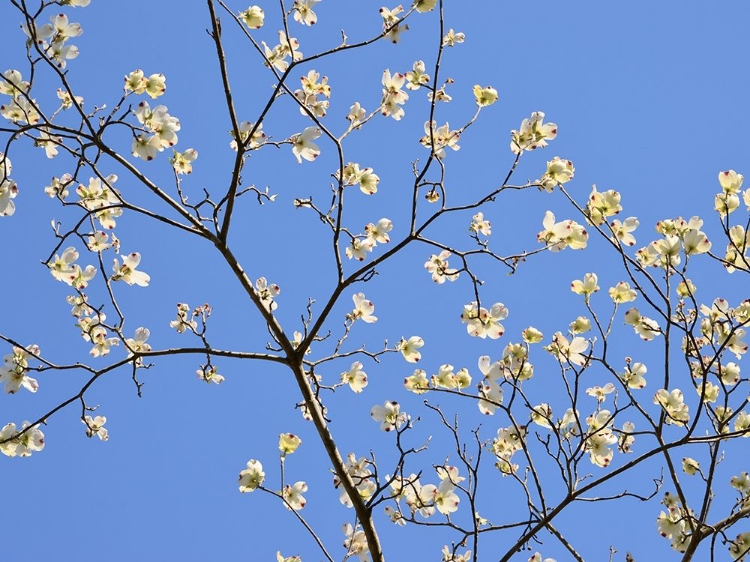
x=634, y=395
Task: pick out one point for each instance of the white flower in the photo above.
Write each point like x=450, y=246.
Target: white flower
x=633, y=376
x=393, y=96
x=363, y=309
x=210, y=374
x=572, y=351
x=252, y=476
x=303, y=12
x=21, y=445
x=533, y=134
x=253, y=17
x=645, y=327
x=479, y=225
x=389, y=415
x=673, y=405
x=416, y=77
x=482, y=322
x=127, y=271
x=417, y=382
x=293, y=495
x=452, y=38
x=408, y=348
x=184, y=320
x=438, y=266
x=356, y=542
x=303, y=145
x=266, y=293
x=378, y=233
x=94, y=426
x=182, y=162
x=355, y=377
x=14, y=372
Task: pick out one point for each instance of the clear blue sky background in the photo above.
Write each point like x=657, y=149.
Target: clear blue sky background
x=650, y=99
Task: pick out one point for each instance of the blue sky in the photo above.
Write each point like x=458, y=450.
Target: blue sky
x=649, y=100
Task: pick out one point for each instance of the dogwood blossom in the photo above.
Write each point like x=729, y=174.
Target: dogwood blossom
x=740, y=546
x=95, y=426
x=446, y=378
x=491, y=397
x=363, y=309
x=622, y=293
x=443, y=496
x=252, y=476
x=622, y=230
x=389, y=415
x=63, y=267
x=393, y=96
x=438, y=266
x=423, y=6
x=21, y=445
x=356, y=115
x=12, y=84
x=182, y=162
x=102, y=343
x=560, y=235
x=479, y=225
x=673, y=405
x=587, y=287
x=408, y=348
x=633, y=375
x=154, y=86
x=452, y=38
x=253, y=17
x=601, y=392
x=378, y=232
x=359, y=248
x=138, y=343
x=416, y=77
x=508, y=441
x=602, y=205
x=355, y=377
x=533, y=134
x=482, y=322
x=293, y=495
x=486, y=96
x=303, y=145
x=127, y=271
x=361, y=475
x=356, y=542
x=439, y=138
x=48, y=142
x=14, y=372
x=690, y=466
x=209, y=374
x=303, y=12
x=645, y=327
x=391, y=27
x=572, y=351
x=245, y=128
x=288, y=443
x=626, y=438
x=266, y=293
x=20, y=110
x=417, y=382
x=599, y=438
x=532, y=335
x=184, y=320
x=558, y=172
x=580, y=325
